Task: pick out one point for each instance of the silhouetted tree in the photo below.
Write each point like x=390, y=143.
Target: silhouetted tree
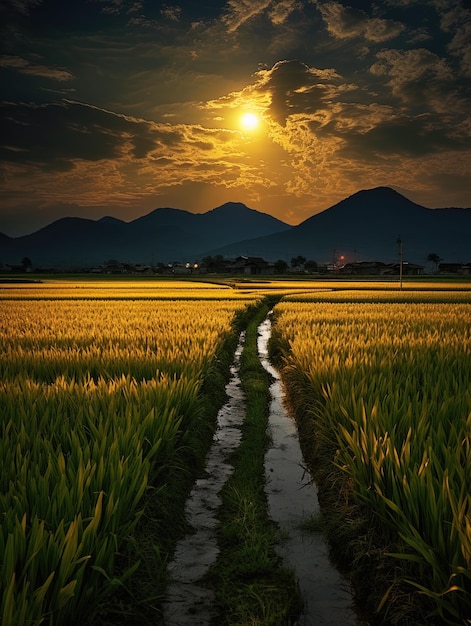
x=298, y=261
x=310, y=266
x=208, y=262
x=214, y=264
x=26, y=263
x=280, y=266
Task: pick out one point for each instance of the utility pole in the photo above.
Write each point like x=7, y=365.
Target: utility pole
x=399, y=241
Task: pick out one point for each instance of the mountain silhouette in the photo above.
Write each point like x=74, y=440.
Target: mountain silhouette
x=164, y=235
x=365, y=226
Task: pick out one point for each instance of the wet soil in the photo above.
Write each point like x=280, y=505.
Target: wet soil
x=188, y=601
x=292, y=498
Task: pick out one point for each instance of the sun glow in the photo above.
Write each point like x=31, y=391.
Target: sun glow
x=249, y=121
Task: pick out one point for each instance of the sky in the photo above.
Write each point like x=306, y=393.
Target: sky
x=119, y=107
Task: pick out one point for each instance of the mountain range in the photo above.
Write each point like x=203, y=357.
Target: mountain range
x=364, y=227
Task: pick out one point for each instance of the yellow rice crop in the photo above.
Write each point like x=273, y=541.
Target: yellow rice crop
x=328, y=283
x=96, y=397
x=382, y=295
x=389, y=385
x=120, y=289
x=106, y=337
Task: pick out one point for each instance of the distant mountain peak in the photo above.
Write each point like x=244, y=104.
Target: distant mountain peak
x=374, y=204
x=383, y=192
x=381, y=189
x=109, y=219
x=231, y=207
x=242, y=214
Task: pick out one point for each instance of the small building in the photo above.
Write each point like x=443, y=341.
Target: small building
x=408, y=269
x=454, y=268
x=364, y=268
x=250, y=265
x=378, y=268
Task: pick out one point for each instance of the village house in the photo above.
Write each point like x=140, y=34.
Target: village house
x=377, y=268
x=454, y=268
x=250, y=265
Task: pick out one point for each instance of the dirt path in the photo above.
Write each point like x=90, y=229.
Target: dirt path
x=188, y=602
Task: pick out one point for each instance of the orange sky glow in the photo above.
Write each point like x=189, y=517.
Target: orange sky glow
x=119, y=107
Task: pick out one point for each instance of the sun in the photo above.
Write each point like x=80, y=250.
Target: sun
x=249, y=121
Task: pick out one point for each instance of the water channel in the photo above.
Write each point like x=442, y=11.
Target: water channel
x=292, y=498
x=189, y=603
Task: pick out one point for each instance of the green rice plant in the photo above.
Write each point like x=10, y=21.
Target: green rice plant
x=389, y=390
x=97, y=400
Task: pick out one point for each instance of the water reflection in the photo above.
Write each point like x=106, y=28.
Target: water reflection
x=187, y=602
x=292, y=498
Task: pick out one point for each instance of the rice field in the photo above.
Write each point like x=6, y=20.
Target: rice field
x=119, y=289
x=97, y=397
x=101, y=385
x=387, y=388
x=383, y=296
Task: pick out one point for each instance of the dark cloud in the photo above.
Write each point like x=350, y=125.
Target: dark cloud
x=54, y=135
x=346, y=22
x=295, y=88
x=350, y=94
x=23, y=66
x=396, y=138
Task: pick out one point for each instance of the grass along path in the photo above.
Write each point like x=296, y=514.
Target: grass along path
x=252, y=587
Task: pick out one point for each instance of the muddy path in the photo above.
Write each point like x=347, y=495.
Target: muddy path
x=292, y=497
x=189, y=602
